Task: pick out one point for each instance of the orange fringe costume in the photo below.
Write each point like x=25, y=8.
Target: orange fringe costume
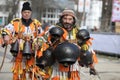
x=59, y=72
x=21, y=66
x=89, y=43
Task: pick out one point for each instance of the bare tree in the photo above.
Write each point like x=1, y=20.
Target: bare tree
x=106, y=15
x=12, y=6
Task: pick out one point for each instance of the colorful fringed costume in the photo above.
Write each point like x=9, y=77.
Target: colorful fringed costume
x=20, y=33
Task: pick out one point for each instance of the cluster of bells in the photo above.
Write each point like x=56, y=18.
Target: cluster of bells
x=27, y=49
x=65, y=53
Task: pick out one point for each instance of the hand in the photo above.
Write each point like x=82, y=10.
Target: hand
x=6, y=39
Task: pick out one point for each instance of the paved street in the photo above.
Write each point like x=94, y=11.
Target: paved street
x=5, y=73
x=108, y=68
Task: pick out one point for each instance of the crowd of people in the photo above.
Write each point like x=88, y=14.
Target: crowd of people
x=54, y=53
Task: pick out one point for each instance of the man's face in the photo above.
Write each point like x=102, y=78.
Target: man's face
x=26, y=14
x=68, y=22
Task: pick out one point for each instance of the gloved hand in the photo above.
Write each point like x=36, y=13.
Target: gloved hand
x=92, y=71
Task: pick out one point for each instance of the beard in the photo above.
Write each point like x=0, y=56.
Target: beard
x=68, y=26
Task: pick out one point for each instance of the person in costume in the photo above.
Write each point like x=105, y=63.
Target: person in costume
x=20, y=34
x=67, y=22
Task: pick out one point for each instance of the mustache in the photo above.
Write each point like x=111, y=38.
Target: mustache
x=67, y=23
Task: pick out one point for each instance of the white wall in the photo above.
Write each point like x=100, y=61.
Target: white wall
x=106, y=43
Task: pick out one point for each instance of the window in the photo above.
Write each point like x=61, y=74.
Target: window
x=44, y=15
x=52, y=15
x=49, y=16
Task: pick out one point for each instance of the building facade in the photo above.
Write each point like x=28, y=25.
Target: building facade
x=50, y=15
x=48, y=11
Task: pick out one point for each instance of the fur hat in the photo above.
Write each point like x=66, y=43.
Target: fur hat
x=26, y=6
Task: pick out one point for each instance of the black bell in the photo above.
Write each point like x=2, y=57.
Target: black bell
x=66, y=53
x=14, y=48
x=86, y=59
x=46, y=60
x=27, y=50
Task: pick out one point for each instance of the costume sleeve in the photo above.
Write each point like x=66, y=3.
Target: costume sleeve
x=8, y=29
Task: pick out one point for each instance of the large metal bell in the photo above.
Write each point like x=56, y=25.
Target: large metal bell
x=66, y=53
x=27, y=50
x=86, y=59
x=14, y=48
x=46, y=60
